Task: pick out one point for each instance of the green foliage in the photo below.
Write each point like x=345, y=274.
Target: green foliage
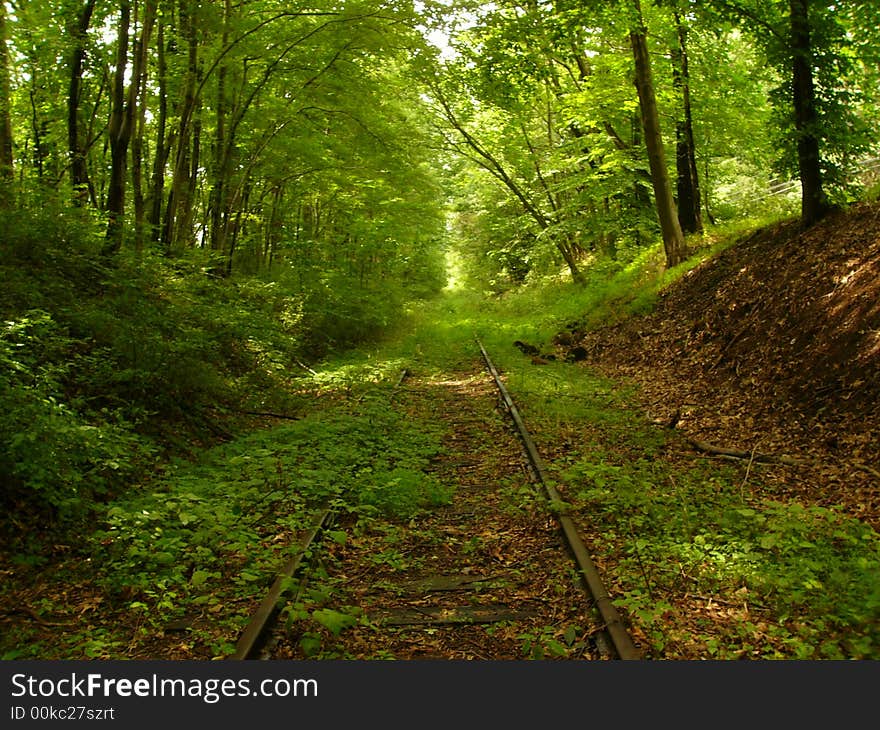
x=212, y=521
x=549, y=642
x=104, y=366
x=402, y=493
x=842, y=47
x=58, y=449
x=811, y=566
x=800, y=581
x=336, y=317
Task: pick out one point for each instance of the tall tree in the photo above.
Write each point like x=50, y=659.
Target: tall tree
x=77, y=29
x=6, y=161
x=673, y=238
x=156, y=195
x=178, y=210
x=814, y=201
x=135, y=112
x=119, y=133
x=687, y=180
x=816, y=47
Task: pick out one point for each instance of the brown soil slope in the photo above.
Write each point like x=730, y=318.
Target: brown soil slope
x=773, y=345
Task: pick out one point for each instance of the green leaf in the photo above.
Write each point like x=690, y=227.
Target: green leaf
x=310, y=644
x=555, y=648
x=333, y=621
x=338, y=536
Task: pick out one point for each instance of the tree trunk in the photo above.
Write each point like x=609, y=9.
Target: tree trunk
x=273, y=228
x=814, y=203
x=79, y=176
x=185, y=235
x=220, y=168
x=568, y=255
x=706, y=193
x=157, y=186
x=237, y=226
x=178, y=206
x=119, y=133
x=673, y=239
x=136, y=116
x=38, y=127
x=687, y=181
x=6, y=161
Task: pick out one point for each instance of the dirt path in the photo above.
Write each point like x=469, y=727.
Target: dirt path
x=485, y=577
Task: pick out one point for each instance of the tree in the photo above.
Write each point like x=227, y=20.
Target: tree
x=673, y=239
x=119, y=133
x=177, y=222
x=687, y=180
x=814, y=47
x=480, y=154
x=6, y=160
x=814, y=201
x=77, y=30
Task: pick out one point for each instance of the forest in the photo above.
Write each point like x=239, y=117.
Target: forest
x=246, y=247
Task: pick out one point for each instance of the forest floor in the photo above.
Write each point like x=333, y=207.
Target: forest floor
x=772, y=347
x=483, y=577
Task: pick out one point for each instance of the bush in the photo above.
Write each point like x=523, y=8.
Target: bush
x=105, y=361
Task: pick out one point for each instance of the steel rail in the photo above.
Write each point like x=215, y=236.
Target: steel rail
x=253, y=638
x=620, y=638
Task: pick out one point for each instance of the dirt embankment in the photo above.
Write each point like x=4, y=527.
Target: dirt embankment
x=774, y=345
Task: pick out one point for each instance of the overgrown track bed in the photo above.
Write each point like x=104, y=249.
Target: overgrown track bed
x=487, y=576
x=620, y=639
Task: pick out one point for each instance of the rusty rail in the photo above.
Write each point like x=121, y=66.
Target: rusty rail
x=253, y=638
x=620, y=638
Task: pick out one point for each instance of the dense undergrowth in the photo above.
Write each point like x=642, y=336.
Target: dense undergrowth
x=134, y=450
x=109, y=365
x=703, y=564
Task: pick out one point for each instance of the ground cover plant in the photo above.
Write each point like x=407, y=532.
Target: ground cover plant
x=707, y=560
x=193, y=547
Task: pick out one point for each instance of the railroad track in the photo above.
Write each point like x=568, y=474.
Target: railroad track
x=470, y=570
x=620, y=639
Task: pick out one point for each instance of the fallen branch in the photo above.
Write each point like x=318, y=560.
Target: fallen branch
x=269, y=415
x=239, y=411
x=304, y=367
x=751, y=456
x=33, y=615
x=748, y=469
